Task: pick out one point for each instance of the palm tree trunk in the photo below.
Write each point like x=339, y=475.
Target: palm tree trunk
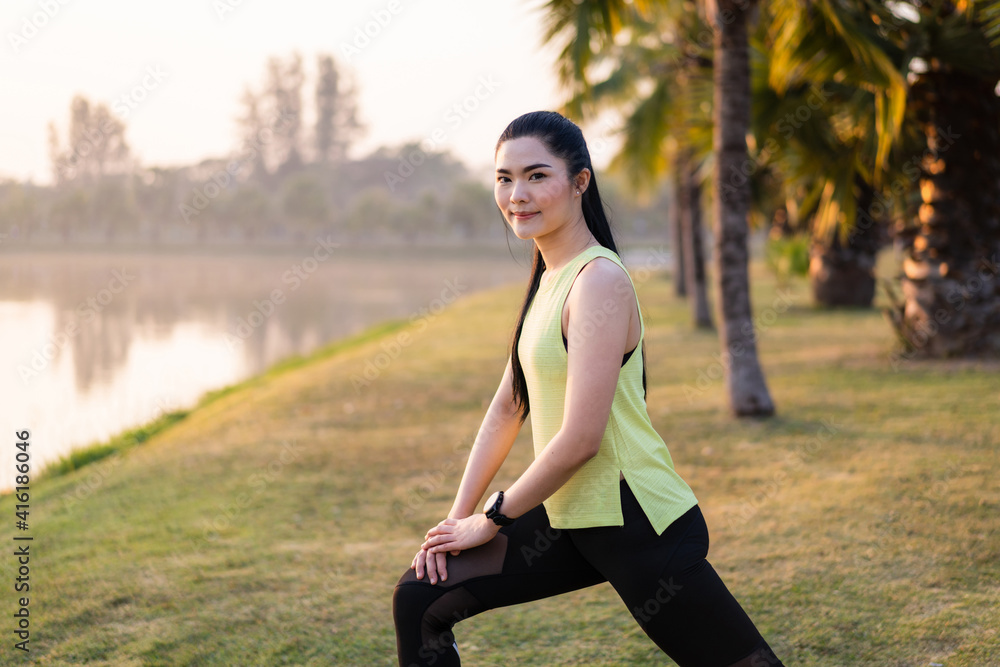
x=952, y=252
x=748, y=393
x=677, y=232
x=843, y=274
x=694, y=257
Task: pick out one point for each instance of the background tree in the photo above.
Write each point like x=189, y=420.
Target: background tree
x=95, y=145
x=251, y=128
x=21, y=209
x=748, y=393
x=159, y=192
x=597, y=20
x=304, y=204
x=951, y=266
x=113, y=207
x=468, y=209
x=67, y=205
x=247, y=210
x=652, y=73
x=91, y=174
x=834, y=104
x=284, y=88
x=337, y=122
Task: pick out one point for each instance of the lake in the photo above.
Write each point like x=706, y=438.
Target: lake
x=95, y=342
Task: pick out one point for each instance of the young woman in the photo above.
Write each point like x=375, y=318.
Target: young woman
x=601, y=500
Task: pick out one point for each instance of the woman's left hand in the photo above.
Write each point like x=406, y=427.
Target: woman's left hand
x=460, y=534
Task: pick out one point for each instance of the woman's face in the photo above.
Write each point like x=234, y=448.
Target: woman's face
x=533, y=189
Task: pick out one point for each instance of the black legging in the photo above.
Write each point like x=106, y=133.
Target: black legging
x=672, y=591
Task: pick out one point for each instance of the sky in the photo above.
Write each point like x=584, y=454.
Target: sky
x=454, y=70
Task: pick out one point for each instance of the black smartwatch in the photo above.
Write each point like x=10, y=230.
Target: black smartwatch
x=494, y=512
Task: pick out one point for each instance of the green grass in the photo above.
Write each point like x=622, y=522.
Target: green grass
x=859, y=526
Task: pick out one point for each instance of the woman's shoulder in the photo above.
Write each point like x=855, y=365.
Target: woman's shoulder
x=603, y=278
x=596, y=251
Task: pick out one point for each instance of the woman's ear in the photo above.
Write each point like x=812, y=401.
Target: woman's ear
x=582, y=180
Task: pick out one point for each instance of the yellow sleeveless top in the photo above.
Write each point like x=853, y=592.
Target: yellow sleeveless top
x=630, y=444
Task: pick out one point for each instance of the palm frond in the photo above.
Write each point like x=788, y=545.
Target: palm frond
x=832, y=43
x=989, y=18
x=642, y=156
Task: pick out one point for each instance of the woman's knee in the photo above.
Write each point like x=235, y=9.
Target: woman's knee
x=411, y=597
x=410, y=575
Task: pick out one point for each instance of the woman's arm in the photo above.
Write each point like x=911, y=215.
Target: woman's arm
x=493, y=442
x=600, y=310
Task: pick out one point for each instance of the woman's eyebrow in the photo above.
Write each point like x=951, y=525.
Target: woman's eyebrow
x=526, y=169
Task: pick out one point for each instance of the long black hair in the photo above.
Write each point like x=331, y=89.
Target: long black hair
x=564, y=140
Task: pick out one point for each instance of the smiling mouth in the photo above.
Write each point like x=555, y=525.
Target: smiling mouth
x=523, y=216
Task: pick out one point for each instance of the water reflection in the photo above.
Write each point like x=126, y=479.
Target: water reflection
x=93, y=343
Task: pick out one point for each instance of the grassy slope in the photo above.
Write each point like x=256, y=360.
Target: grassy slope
x=858, y=527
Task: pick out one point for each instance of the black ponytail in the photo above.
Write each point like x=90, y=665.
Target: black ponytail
x=563, y=139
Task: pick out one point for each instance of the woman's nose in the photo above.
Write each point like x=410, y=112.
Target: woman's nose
x=519, y=192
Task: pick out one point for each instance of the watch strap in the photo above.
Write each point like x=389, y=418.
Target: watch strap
x=494, y=514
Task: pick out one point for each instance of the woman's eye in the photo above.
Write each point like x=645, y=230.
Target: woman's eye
x=538, y=174
x=502, y=179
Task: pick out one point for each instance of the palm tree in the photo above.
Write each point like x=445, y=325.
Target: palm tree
x=689, y=206
x=658, y=77
x=951, y=266
x=838, y=151
x=748, y=393
x=594, y=24
x=950, y=52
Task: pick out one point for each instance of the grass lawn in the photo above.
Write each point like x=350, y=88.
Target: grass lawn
x=859, y=526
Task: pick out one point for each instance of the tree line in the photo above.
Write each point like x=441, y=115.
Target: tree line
x=284, y=182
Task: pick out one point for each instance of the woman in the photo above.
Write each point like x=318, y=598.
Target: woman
x=601, y=500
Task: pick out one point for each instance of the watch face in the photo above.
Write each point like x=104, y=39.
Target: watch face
x=491, y=502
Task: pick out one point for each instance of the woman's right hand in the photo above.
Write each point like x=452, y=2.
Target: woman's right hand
x=433, y=565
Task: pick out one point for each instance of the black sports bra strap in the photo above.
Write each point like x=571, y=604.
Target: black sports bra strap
x=624, y=359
